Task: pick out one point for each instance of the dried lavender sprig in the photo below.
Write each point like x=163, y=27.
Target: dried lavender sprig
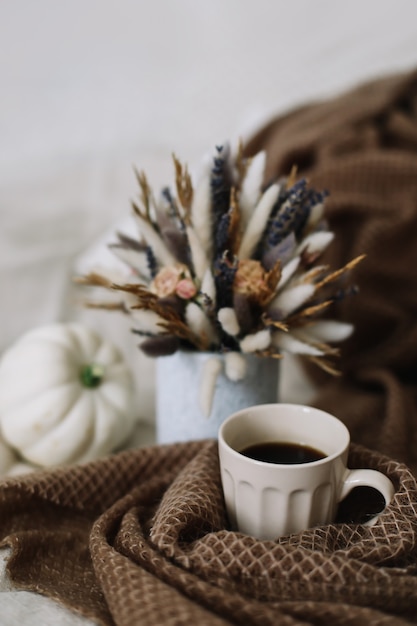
x=312, y=199
x=224, y=276
x=301, y=216
x=291, y=219
x=151, y=262
x=222, y=236
x=220, y=190
x=292, y=209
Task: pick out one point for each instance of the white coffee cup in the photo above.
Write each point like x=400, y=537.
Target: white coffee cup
x=269, y=499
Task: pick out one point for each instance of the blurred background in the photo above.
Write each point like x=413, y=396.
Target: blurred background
x=90, y=88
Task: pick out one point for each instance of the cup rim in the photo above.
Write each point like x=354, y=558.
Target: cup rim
x=289, y=466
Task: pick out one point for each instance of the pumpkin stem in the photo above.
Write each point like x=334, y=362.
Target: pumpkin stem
x=91, y=375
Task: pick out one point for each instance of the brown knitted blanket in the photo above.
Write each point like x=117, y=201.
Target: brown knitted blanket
x=362, y=147
x=142, y=538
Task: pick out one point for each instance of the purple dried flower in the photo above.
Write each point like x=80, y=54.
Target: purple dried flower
x=222, y=236
x=220, y=189
x=224, y=276
x=152, y=262
x=293, y=212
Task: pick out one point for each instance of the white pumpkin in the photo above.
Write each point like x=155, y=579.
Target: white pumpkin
x=66, y=395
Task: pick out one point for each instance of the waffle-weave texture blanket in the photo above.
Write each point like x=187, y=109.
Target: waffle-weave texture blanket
x=142, y=538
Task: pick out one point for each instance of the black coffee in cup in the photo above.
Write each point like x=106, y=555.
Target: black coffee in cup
x=282, y=453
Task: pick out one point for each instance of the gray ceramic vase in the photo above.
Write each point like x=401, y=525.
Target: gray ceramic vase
x=179, y=414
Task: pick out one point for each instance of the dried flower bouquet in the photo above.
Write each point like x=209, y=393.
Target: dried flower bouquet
x=229, y=265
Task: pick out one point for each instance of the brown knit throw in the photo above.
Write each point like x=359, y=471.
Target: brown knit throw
x=141, y=537
x=362, y=147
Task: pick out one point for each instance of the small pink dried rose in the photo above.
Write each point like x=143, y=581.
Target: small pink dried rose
x=186, y=289
x=165, y=282
x=172, y=280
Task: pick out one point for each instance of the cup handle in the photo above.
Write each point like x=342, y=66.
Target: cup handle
x=367, y=478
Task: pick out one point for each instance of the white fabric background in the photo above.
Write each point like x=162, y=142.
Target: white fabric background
x=90, y=87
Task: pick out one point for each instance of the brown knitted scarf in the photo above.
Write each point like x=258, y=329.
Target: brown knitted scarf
x=141, y=537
